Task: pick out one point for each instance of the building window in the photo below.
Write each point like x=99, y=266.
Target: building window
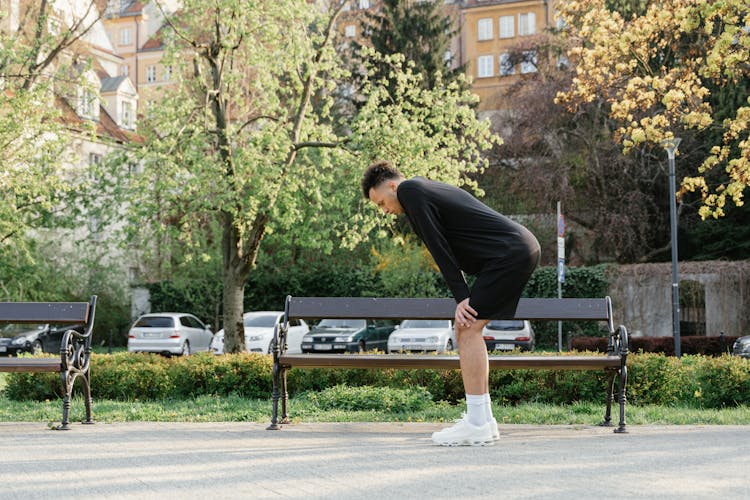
x=447, y=57
x=350, y=30
x=127, y=114
x=528, y=65
x=485, y=66
x=125, y=70
x=88, y=104
x=484, y=29
x=526, y=24
x=167, y=73
x=95, y=159
x=507, y=26
x=506, y=66
x=151, y=74
x=125, y=36
x=364, y=4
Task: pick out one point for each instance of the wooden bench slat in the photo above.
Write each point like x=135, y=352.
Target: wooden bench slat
x=30, y=364
x=446, y=362
x=44, y=312
x=410, y=308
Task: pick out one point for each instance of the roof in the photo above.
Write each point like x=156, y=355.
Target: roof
x=106, y=127
x=110, y=84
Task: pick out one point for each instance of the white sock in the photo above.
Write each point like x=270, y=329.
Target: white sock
x=475, y=412
x=488, y=407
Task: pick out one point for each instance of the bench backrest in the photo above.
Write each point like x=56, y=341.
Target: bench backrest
x=68, y=313
x=411, y=308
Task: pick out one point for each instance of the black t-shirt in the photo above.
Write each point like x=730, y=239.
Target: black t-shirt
x=461, y=232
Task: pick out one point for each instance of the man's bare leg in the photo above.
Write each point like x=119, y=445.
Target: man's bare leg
x=472, y=355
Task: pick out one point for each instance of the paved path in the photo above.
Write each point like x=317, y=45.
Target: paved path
x=371, y=461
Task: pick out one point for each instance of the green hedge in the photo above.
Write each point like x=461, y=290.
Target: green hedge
x=692, y=381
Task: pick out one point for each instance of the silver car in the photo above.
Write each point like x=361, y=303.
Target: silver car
x=508, y=334
x=259, y=327
x=741, y=347
x=169, y=333
x=420, y=335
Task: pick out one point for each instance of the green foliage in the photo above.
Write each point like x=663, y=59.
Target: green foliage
x=420, y=31
x=371, y=398
x=580, y=282
x=691, y=381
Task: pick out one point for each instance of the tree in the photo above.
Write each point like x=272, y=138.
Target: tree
x=37, y=59
x=616, y=201
x=246, y=137
x=654, y=68
x=418, y=30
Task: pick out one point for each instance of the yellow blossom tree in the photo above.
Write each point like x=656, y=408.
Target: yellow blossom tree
x=654, y=67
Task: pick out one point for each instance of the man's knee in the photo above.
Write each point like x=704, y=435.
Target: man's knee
x=464, y=334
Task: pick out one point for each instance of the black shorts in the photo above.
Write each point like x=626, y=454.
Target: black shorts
x=499, y=286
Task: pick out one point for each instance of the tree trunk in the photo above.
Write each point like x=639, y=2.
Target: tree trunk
x=238, y=259
x=234, y=274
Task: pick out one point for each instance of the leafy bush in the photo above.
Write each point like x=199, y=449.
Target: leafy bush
x=372, y=398
x=692, y=381
x=580, y=282
x=689, y=344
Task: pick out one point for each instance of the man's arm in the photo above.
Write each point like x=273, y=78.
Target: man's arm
x=426, y=223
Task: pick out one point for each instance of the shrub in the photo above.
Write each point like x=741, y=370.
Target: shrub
x=654, y=378
x=689, y=344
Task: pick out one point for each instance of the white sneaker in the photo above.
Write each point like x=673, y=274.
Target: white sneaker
x=492, y=423
x=464, y=434
x=494, y=429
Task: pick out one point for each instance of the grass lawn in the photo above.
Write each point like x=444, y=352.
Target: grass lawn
x=302, y=409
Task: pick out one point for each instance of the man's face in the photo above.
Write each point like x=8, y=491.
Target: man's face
x=384, y=196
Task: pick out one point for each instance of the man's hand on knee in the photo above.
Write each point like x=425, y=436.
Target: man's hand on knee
x=465, y=314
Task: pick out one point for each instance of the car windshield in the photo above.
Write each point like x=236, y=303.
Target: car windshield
x=262, y=321
x=155, y=322
x=425, y=323
x=342, y=323
x=13, y=329
x=505, y=324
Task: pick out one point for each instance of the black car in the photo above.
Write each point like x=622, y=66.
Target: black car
x=17, y=338
x=348, y=335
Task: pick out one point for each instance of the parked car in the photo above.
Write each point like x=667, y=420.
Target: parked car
x=348, y=335
x=506, y=335
x=20, y=338
x=741, y=347
x=259, y=328
x=169, y=333
x=420, y=335
x=16, y=338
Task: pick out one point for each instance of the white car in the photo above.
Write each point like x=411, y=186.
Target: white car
x=420, y=335
x=259, y=332
x=508, y=334
x=169, y=333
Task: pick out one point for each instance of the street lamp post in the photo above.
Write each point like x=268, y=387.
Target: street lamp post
x=670, y=145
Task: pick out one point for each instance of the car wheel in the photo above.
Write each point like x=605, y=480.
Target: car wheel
x=36, y=347
x=361, y=346
x=449, y=345
x=185, y=349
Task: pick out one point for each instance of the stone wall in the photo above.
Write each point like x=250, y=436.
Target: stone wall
x=642, y=296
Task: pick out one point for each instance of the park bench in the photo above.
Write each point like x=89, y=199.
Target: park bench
x=613, y=361
x=75, y=347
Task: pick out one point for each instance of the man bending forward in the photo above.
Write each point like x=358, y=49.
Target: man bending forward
x=464, y=236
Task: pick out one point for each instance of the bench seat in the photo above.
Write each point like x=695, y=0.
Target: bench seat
x=438, y=362
x=613, y=362
x=75, y=347
x=30, y=365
